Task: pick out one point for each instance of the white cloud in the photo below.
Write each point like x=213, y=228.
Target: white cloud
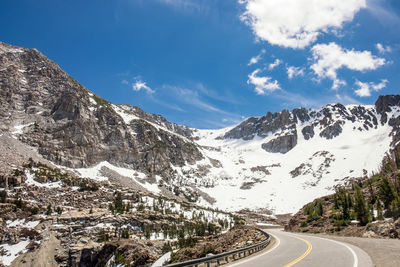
x=262, y=84
x=383, y=49
x=140, y=85
x=124, y=82
x=293, y=71
x=297, y=23
x=329, y=58
x=256, y=59
x=275, y=64
x=364, y=89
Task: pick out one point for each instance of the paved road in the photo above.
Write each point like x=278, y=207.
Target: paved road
x=305, y=250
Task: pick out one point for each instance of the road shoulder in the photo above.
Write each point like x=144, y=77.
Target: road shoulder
x=383, y=252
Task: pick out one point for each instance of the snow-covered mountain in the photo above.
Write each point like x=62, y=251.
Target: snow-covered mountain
x=282, y=161
x=279, y=161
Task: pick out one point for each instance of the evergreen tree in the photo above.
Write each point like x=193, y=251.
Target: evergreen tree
x=349, y=200
x=118, y=203
x=379, y=209
x=336, y=201
x=59, y=210
x=360, y=207
x=166, y=247
x=3, y=196
x=386, y=192
x=49, y=210
x=346, y=213
x=373, y=196
x=319, y=210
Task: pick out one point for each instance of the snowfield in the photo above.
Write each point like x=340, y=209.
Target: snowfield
x=239, y=174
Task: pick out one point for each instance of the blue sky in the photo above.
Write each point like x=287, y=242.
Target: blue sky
x=211, y=63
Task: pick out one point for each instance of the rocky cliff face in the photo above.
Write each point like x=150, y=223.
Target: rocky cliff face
x=45, y=108
x=288, y=126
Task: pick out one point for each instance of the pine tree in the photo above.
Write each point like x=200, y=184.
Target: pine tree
x=360, y=207
x=335, y=201
x=118, y=203
x=379, y=209
x=373, y=197
x=319, y=210
x=49, y=210
x=3, y=196
x=346, y=213
x=349, y=200
x=386, y=192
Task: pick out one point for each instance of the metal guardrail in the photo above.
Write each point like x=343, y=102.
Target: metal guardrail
x=224, y=257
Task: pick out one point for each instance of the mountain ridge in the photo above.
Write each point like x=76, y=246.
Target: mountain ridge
x=249, y=164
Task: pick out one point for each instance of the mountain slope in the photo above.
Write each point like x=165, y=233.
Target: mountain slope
x=369, y=207
x=332, y=145
x=70, y=126
x=279, y=161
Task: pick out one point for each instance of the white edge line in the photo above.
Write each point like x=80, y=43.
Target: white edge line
x=343, y=244
x=266, y=252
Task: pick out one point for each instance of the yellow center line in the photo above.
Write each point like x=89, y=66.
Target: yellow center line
x=302, y=256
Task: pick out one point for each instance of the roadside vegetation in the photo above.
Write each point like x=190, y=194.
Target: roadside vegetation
x=364, y=203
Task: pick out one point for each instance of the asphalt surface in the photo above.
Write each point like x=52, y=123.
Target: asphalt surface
x=305, y=250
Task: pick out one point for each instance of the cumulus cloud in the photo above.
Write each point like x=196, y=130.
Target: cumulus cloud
x=364, y=88
x=275, y=64
x=383, y=49
x=293, y=71
x=297, y=23
x=140, y=85
x=263, y=84
x=256, y=59
x=329, y=58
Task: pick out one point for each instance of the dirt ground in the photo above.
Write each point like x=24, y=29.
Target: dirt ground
x=44, y=257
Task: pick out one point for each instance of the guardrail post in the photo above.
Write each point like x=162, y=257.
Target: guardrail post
x=227, y=259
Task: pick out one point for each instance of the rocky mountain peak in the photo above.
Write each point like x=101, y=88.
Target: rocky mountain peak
x=280, y=129
x=46, y=108
x=384, y=104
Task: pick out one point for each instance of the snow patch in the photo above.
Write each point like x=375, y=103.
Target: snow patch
x=31, y=181
x=12, y=251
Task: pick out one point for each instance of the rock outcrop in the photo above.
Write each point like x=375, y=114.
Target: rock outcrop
x=45, y=108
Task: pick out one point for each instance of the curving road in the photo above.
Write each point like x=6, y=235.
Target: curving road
x=305, y=250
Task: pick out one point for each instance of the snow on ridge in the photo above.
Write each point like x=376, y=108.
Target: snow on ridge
x=128, y=117
x=136, y=176
x=125, y=115
x=18, y=129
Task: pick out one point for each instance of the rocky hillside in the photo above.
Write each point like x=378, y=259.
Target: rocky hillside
x=56, y=219
x=368, y=207
x=46, y=109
